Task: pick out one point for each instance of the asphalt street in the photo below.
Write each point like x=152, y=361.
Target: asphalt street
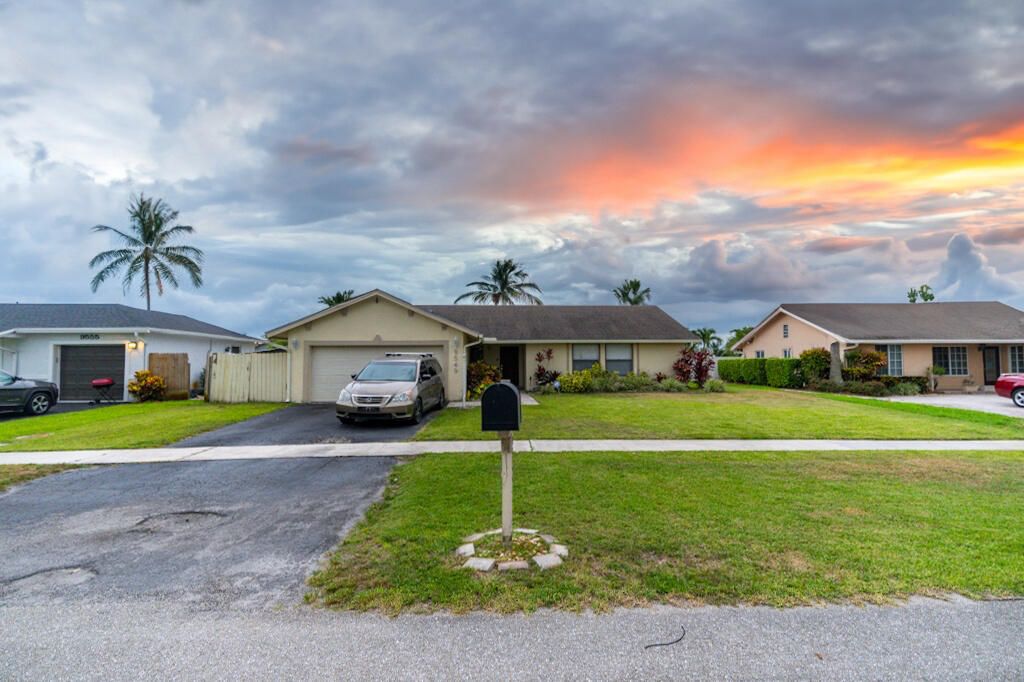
x=925, y=639
x=215, y=533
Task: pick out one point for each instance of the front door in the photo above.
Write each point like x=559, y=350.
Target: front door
x=992, y=369
x=509, y=358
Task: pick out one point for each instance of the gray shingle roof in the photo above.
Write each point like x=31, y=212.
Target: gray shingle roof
x=565, y=322
x=99, y=316
x=954, y=321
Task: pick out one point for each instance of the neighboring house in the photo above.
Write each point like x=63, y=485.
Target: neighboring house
x=973, y=341
x=327, y=347
x=72, y=344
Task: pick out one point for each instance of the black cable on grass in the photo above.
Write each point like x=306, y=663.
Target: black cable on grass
x=674, y=641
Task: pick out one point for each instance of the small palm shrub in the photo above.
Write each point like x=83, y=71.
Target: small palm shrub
x=715, y=386
x=147, y=386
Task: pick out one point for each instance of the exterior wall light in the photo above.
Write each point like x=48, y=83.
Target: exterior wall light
x=133, y=345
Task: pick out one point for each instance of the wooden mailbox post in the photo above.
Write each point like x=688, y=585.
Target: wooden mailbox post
x=501, y=410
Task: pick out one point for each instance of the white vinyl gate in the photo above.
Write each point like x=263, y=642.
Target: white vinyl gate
x=332, y=367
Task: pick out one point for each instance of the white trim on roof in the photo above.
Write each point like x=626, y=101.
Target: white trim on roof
x=941, y=341
x=510, y=342
x=123, y=330
x=363, y=297
x=772, y=315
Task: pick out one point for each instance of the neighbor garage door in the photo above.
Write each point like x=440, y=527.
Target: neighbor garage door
x=79, y=365
x=333, y=366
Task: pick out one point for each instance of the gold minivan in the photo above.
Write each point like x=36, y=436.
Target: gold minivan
x=397, y=386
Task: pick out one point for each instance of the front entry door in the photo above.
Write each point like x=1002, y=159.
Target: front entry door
x=992, y=369
x=509, y=359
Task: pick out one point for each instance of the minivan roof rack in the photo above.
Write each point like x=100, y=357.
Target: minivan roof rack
x=408, y=355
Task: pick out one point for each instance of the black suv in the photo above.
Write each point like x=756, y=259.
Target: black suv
x=26, y=395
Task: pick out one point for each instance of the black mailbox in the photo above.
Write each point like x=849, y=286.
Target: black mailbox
x=500, y=408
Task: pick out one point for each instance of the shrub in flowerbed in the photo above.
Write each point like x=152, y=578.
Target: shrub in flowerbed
x=864, y=365
x=577, y=382
x=815, y=363
x=481, y=375
x=714, y=386
x=783, y=372
x=905, y=388
x=543, y=376
x=694, y=365
x=147, y=386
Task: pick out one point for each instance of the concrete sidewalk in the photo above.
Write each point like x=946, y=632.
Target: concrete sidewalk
x=144, y=456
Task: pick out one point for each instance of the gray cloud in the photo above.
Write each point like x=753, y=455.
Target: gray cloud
x=967, y=275
x=349, y=145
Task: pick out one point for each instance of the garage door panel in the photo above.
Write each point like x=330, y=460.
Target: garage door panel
x=79, y=365
x=332, y=367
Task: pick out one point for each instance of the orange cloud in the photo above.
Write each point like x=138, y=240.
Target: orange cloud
x=781, y=148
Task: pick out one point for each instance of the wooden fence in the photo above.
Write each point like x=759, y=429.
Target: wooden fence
x=175, y=370
x=251, y=377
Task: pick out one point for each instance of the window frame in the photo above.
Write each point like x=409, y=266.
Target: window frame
x=937, y=360
x=787, y=353
x=759, y=355
x=1016, y=364
x=590, y=362
x=785, y=331
x=891, y=359
x=616, y=367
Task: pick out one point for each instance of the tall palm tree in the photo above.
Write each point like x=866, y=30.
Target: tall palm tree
x=506, y=284
x=631, y=292
x=147, y=251
x=708, y=339
x=334, y=299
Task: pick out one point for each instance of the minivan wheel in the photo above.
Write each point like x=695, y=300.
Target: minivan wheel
x=1018, y=397
x=38, y=404
x=417, y=412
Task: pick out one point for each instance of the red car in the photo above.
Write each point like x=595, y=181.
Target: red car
x=1011, y=386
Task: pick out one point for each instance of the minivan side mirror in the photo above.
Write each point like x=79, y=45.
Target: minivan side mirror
x=425, y=376
x=354, y=376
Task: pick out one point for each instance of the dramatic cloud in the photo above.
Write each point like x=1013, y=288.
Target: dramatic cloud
x=729, y=154
x=966, y=275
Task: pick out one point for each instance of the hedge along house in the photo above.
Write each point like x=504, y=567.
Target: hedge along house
x=327, y=347
x=974, y=342
x=71, y=344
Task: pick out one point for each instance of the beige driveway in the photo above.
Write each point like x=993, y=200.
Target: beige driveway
x=982, y=402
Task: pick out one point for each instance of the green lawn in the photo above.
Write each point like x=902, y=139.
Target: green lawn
x=740, y=413
x=134, y=425
x=14, y=474
x=721, y=528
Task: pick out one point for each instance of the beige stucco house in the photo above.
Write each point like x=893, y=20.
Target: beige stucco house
x=973, y=341
x=328, y=346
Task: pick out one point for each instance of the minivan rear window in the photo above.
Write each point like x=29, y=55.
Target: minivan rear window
x=388, y=371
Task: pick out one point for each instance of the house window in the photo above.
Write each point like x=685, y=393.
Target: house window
x=585, y=356
x=953, y=359
x=1017, y=359
x=758, y=353
x=787, y=352
x=618, y=358
x=894, y=354
x=785, y=332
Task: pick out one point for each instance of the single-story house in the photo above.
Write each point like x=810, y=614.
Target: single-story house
x=73, y=343
x=327, y=347
x=972, y=341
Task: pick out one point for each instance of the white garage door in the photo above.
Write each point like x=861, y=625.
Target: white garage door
x=333, y=366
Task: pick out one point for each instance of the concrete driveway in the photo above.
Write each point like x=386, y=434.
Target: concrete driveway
x=982, y=402
x=301, y=425
x=230, y=533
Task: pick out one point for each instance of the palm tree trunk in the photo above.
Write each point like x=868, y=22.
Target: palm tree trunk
x=145, y=260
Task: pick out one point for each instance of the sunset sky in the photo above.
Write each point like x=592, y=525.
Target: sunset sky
x=731, y=154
